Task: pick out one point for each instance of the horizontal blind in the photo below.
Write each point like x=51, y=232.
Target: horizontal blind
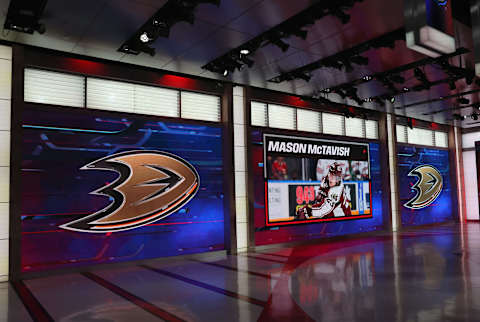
x=308, y=120
x=200, y=107
x=157, y=101
x=420, y=136
x=258, y=114
x=441, y=139
x=281, y=117
x=333, y=123
x=53, y=88
x=110, y=95
x=371, y=129
x=401, y=134
x=354, y=127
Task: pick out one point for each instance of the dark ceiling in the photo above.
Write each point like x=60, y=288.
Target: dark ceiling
x=98, y=28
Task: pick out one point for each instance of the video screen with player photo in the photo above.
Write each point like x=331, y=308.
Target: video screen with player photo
x=310, y=180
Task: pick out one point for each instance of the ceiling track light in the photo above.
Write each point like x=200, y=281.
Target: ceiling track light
x=159, y=25
x=344, y=59
x=463, y=100
x=24, y=16
x=294, y=26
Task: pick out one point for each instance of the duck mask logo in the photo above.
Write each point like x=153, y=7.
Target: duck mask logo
x=428, y=186
x=151, y=185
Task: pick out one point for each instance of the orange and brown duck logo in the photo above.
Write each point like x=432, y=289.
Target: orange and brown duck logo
x=151, y=185
x=428, y=187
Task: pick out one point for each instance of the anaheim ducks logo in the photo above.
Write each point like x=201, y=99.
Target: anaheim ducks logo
x=151, y=185
x=428, y=186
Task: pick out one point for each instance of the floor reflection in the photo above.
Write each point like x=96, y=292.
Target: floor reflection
x=414, y=276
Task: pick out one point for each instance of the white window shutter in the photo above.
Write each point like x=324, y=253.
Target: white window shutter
x=333, y=124
x=282, y=117
x=203, y=107
x=309, y=121
x=54, y=88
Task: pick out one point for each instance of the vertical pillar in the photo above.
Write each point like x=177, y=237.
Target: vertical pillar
x=5, y=112
x=459, y=175
x=392, y=164
x=240, y=157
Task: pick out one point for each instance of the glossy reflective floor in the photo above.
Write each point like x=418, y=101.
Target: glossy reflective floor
x=422, y=275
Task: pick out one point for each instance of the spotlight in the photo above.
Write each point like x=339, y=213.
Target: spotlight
x=476, y=105
x=247, y=61
x=452, y=86
x=369, y=99
x=344, y=18
x=410, y=123
x=463, y=100
x=392, y=99
x=367, y=78
x=406, y=89
x=327, y=90
x=420, y=75
x=144, y=37
x=359, y=60
x=225, y=72
x=347, y=65
x=469, y=78
x=280, y=44
x=306, y=77
x=397, y=79
x=458, y=117
x=244, y=51
x=300, y=33
x=474, y=116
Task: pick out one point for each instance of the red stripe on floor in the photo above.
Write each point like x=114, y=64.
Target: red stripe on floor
x=147, y=306
x=33, y=306
x=207, y=286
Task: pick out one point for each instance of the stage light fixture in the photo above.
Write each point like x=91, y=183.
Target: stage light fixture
x=279, y=43
x=474, y=116
x=463, y=100
x=392, y=99
x=225, y=73
x=144, y=37
x=397, y=79
x=410, y=123
x=367, y=78
x=369, y=99
x=359, y=60
x=244, y=51
x=451, y=85
x=247, y=61
x=406, y=89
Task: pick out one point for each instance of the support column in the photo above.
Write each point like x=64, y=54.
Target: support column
x=240, y=157
x=5, y=113
x=392, y=164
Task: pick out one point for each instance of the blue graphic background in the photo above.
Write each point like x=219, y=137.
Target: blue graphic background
x=442, y=209
x=54, y=190
x=271, y=235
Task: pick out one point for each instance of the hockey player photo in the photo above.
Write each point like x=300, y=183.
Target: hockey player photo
x=331, y=199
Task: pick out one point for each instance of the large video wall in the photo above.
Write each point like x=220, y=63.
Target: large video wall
x=103, y=187
x=307, y=188
x=424, y=186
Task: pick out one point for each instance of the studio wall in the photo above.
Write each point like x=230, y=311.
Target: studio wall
x=265, y=235
x=424, y=187
x=59, y=186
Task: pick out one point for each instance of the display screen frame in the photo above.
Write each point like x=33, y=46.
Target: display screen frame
x=268, y=222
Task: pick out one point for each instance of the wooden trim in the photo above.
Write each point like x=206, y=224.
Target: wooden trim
x=16, y=163
x=230, y=225
x=385, y=172
x=249, y=169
